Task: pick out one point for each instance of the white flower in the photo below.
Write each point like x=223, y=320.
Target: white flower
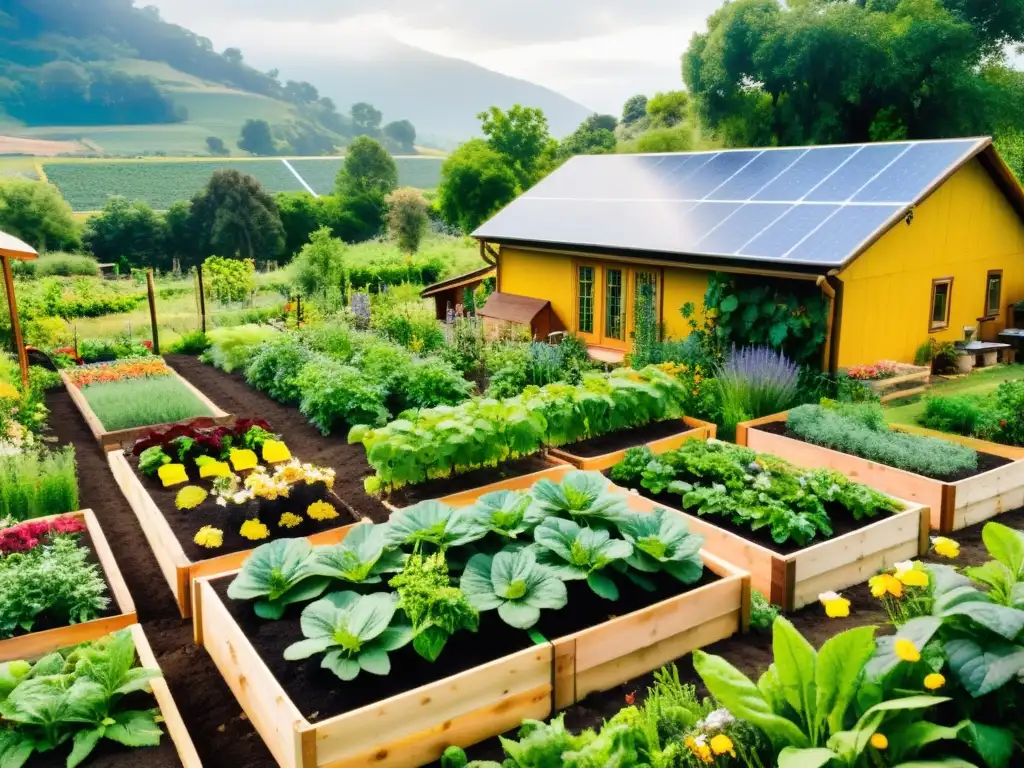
x=903, y=567
x=221, y=501
x=717, y=720
x=826, y=597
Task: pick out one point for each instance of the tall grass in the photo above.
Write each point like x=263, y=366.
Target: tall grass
x=38, y=484
x=142, y=402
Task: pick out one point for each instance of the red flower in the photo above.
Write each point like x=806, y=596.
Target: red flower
x=26, y=536
x=148, y=345
x=631, y=698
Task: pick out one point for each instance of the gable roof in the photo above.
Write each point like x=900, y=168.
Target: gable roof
x=512, y=308
x=798, y=208
x=458, y=281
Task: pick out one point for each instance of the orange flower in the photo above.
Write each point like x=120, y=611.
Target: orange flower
x=118, y=371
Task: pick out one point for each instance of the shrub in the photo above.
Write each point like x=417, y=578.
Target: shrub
x=1009, y=411
x=37, y=484
x=58, y=265
x=333, y=339
x=275, y=367
x=231, y=348
x=432, y=382
x=415, y=329
x=755, y=382
x=191, y=343
x=861, y=430
x=334, y=395
x=952, y=414
x=106, y=350
x=381, y=361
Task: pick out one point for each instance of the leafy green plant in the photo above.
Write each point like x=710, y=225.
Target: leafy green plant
x=334, y=395
x=960, y=415
x=432, y=523
x=629, y=472
x=1004, y=574
x=436, y=609
x=510, y=514
x=515, y=584
x=360, y=558
x=143, y=402
x=276, y=575
x=274, y=368
x=575, y=553
x=355, y=632
x=37, y=483
x=662, y=541
x=191, y=343
x=846, y=429
x=762, y=613
x=77, y=699
x=432, y=382
x=582, y=496
x=231, y=348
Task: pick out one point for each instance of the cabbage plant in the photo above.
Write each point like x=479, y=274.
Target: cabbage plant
x=276, y=575
x=582, y=496
x=509, y=514
x=355, y=632
x=575, y=553
x=515, y=583
x=662, y=542
x=361, y=557
x=431, y=522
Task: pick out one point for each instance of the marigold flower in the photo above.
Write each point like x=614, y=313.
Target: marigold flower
x=242, y=459
x=945, y=547
x=934, y=681
x=906, y=650
x=722, y=745
x=275, y=451
x=321, y=510
x=885, y=584
x=172, y=474
x=288, y=520
x=190, y=497
x=254, y=530
x=209, y=537
x=879, y=741
x=836, y=606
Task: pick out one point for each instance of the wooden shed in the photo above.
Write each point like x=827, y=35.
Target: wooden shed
x=449, y=294
x=536, y=314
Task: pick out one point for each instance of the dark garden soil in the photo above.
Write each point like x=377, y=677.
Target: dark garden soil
x=627, y=438
x=220, y=731
x=315, y=690
x=842, y=523
x=986, y=461
x=408, y=495
x=185, y=523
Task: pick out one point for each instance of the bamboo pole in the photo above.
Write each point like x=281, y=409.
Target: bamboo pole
x=12, y=306
x=152, y=311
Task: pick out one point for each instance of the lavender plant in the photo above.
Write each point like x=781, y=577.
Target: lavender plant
x=755, y=382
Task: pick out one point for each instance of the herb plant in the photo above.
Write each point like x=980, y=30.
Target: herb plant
x=356, y=632
x=1004, y=574
x=276, y=575
x=515, y=584
x=574, y=553
x=142, y=402
x=38, y=483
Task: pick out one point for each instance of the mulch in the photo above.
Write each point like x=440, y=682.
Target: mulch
x=219, y=729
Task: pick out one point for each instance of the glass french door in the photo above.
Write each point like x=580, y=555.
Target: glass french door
x=607, y=295
x=614, y=306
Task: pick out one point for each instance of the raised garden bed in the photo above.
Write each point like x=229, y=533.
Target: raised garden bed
x=909, y=380
x=119, y=614
x=112, y=440
x=602, y=452
x=483, y=684
x=955, y=503
x=171, y=532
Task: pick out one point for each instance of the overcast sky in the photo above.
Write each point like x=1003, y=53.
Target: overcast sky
x=598, y=52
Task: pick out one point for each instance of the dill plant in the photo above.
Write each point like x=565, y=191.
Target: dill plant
x=38, y=483
x=142, y=402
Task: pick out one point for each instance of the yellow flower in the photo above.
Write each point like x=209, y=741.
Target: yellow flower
x=945, y=547
x=190, y=497
x=934, y=681
x=254, y=530
x=275, y=451
x=321, y=510
x=878, y=741
x=215, y=469
x=913, y=577
x=172, y=474
x=288, y=520
x=722, y=744
x=885, y=583
x=906, y=650
x=292, y=473
x=242, y=459
x=209, y=537
x=699, y=747
x=836, y=606
x=8, y=391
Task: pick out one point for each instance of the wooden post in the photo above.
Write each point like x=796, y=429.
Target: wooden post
x=12, y=306
x=202, y=297
x=152, y=311
x=298, y=310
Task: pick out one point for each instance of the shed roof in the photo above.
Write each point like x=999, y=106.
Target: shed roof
x=798, y=208
x=458, y=281
x=512, y=308
x=13, y=248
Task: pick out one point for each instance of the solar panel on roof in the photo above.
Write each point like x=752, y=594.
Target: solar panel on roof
x=808, y=205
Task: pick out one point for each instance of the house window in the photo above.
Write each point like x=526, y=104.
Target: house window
x=585, y=288
x=942, y=295
x=615, y=310
x=993, y=293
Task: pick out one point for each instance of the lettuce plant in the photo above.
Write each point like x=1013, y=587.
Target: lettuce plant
x=574, y=553
x=276, y=575
x=509, y=514
x=515, y=583
x=433, y=523
x=1004, y=574
x=356, y=632
x=361, y=557
x=585, y=497
x=662, y=542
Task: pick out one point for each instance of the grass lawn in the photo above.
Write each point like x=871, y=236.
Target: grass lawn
x=979, y=384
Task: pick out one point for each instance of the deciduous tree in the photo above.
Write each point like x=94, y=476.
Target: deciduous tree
x=407, y=218
x=368, y=169
x=365, y=119
x=235, y=217
x=36, y=213
x=257, y=139
x=475, y=182
x=634, y=109
x=402, y=133
x=130, y=231
x=520, y=136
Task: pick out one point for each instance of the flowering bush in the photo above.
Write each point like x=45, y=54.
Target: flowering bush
x=102, y=373
x=883, y=370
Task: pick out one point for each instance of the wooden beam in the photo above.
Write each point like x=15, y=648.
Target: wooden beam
x=12, y=307
x=152, y=310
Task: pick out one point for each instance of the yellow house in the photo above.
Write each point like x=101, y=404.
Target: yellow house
x=907, y=240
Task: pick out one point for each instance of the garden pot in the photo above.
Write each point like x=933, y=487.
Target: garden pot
x=964, y=362
x=989, y=358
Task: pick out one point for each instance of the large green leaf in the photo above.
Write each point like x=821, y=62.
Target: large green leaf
x=906, y=741
x=1006, y=545
x=791, y=757
x=841, y=661
x=134, y=729
x=1005, y=621
x=795, y=662
x=918, y=630
x=980, y=669
x=741, y=697
x=995, y=745
x=15, y=748
x=82, y=745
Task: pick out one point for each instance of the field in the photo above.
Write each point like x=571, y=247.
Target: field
x=86, y=184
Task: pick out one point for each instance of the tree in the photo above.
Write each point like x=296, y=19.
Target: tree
x=233, y=56
x=402, y=133
x=668, y=109
x=300, y=217
x=407, y=218
x=1011, y=146
x=520, y=136
x=596, y=122
x=128, y=231
x=235, y=217
x=634, y=109
x=216, y=146
x=36, y=213
x=593, y=137
x=184, y=238
x=679, y=139
x=365, y=119
x=257, y=139
x=368, y=169
x=475, y=182
x=320, y=267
